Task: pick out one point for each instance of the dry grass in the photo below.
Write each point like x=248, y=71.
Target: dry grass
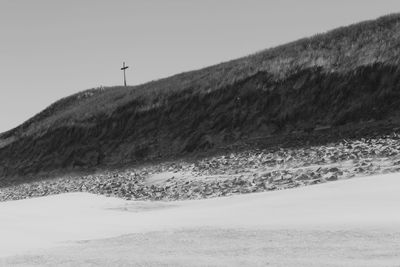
x=338, y=50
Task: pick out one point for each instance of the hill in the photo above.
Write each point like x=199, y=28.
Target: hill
x=339, y=81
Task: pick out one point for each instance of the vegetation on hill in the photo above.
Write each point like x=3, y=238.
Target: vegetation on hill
x=347, y=75
x=341, y=50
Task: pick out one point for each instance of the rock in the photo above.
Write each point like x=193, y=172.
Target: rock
x=302, y=177
x=315, y=181
x=334, y=169
x=332, y=177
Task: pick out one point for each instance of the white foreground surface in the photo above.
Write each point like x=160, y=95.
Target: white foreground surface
x=345, y=223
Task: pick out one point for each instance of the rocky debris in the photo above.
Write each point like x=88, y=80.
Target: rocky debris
x=235, y=173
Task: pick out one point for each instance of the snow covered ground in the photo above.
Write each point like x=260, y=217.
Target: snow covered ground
x=345, y=223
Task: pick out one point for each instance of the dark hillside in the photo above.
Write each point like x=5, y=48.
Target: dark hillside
x=344, y=77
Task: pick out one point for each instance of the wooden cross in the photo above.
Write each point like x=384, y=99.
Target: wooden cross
x=124, y=68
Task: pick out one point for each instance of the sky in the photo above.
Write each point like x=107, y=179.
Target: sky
x=50, y=49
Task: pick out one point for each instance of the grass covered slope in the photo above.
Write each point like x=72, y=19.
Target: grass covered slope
x=346, y=76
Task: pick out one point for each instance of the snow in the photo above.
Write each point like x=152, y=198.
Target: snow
x=368, y=205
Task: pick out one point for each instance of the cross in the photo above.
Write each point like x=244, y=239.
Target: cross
x=124, y=68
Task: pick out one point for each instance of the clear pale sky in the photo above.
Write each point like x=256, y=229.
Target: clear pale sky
x=50, y=49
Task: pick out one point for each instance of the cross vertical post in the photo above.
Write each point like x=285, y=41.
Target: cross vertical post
x=124, y=68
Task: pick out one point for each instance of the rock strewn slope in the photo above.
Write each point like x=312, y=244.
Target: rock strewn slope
x=236, y=173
